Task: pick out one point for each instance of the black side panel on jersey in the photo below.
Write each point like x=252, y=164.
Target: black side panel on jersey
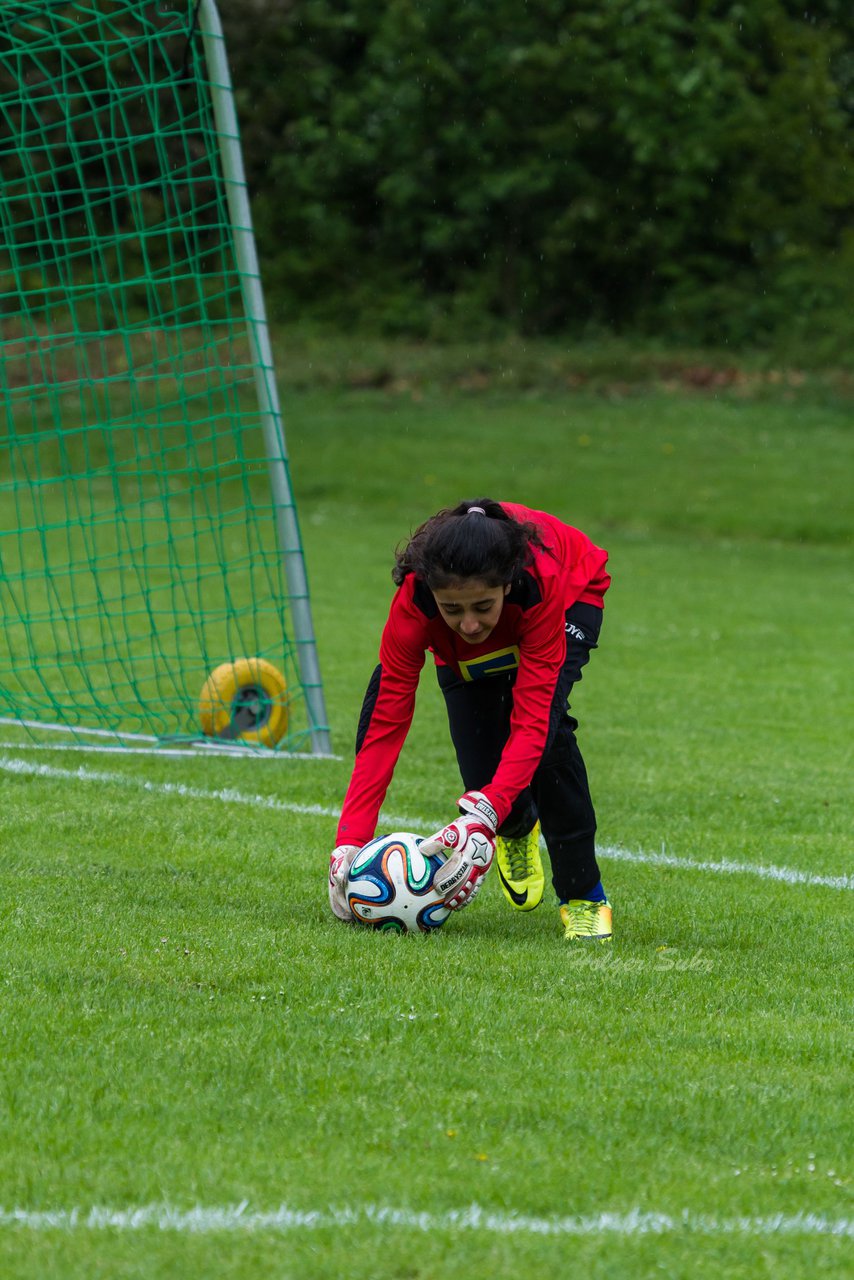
x=370, y=701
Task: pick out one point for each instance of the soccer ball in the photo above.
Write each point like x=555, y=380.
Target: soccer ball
x=390, y=886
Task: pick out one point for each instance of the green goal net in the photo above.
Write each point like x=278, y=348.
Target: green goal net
x=152, y=581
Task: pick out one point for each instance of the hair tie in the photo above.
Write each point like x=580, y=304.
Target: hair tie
x=475, y=511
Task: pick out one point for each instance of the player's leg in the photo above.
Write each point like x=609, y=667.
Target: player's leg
x=479, y=720
x=562, y=795
x=567, y=814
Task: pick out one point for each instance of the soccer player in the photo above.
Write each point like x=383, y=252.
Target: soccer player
x=509, y=603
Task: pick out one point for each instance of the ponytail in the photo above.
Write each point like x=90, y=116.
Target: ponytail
x=476, y=539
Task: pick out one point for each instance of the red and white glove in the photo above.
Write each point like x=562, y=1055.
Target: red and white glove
x=340, y=860
x=470, y=845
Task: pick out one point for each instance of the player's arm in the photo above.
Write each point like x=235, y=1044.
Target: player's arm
x=384, y=722
x=541, y=656
x=383, y=725
x=469, y=841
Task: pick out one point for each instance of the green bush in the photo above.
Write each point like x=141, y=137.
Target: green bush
x=677, y=168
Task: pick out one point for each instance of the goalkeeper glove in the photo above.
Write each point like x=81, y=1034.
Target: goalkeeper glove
x=340, y=860
x=470, y=844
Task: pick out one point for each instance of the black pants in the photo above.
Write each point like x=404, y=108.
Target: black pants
x=479, y=718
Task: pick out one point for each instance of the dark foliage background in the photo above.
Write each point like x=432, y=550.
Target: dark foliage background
x=676, y=169
x=660, y=166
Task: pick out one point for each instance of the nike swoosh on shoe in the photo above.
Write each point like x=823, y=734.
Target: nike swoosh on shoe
x=518, y=898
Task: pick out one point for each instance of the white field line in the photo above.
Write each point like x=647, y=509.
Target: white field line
x=193, y=750
x=64, y=728
x=192, y=746
x=727, y=867
x=228, y=795
x=241, y=1219
x=200, y=746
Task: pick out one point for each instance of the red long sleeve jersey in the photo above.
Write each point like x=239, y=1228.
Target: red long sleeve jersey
x=529, y=638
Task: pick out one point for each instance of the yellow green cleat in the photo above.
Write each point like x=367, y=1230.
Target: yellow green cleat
x=587, y=921
x=520, y=870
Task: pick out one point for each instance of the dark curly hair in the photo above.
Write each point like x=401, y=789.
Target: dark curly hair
x=460, y=543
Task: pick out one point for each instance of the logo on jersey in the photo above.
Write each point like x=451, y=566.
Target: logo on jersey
x=490, y=664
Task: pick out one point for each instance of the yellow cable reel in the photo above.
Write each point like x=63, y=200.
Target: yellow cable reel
x=245, y=701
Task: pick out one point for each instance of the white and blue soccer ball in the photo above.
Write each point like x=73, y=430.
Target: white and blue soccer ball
x=390, y=885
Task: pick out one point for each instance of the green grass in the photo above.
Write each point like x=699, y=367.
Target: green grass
x=185, y=1024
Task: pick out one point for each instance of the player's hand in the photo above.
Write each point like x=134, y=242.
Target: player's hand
x=340, y=860
x=469, y=843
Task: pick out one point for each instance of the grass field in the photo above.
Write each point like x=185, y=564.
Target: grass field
x=205, y=1075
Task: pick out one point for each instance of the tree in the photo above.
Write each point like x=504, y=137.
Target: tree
x=547, y=165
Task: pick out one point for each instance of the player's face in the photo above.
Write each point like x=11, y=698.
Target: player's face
x=471, y=607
